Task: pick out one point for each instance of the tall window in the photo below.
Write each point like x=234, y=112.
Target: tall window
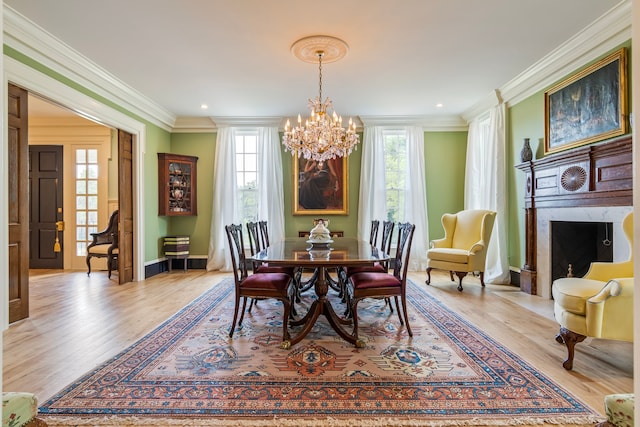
x=86, y=180
x=395, y=159
x=247, y=174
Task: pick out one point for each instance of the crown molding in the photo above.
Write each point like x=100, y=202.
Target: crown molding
x=31, y=40
x=428, y=123
x=257, y=121
x=606, y=33
x=194, y=125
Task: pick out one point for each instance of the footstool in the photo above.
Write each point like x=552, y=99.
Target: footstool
x=20, y=409
x=619, y=410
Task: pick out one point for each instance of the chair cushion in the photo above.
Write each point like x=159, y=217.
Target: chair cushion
x=572, y=293
x=275, y=281
x=458, y=256
x=18, y=408
x=100, y=249
x=376, y=268
x=275, y=269
x=374, y=280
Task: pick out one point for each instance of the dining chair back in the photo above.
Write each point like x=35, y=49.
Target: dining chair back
x=264, y=233
x=255, y=239
x=373, y=234
x=257, y=285
x=385, y=240
x=383, y=285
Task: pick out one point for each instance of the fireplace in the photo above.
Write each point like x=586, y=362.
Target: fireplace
x=576, y=244
x=546, y=217
x=590, y=184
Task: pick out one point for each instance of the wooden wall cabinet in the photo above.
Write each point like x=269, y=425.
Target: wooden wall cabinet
x=177, y=185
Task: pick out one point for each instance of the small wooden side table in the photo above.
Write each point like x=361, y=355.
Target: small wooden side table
x=176, y=247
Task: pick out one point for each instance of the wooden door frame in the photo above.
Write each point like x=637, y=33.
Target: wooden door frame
x=38, y=83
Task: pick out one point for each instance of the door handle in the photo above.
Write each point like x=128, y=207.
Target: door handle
x=59, y=225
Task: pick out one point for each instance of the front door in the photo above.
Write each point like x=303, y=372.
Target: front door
x=18, y=203
x=45, y=197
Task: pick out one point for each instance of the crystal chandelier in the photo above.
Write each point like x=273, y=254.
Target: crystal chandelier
x=322, y=137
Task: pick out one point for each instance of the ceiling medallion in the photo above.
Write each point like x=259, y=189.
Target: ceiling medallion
x=322, y=137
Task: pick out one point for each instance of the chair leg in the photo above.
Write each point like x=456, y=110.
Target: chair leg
x=88, y=265
x=570, y=339
x=460, y=275
x=482, y=278
x=244, y=306
x=397, y=309
x=429, y=275
x=235, y=316
x=406, y=317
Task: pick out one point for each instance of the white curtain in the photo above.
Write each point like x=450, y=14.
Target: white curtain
x=270, y=190
x=372, y=201
x=486, y=188
x=416, y=200
x=224, y=200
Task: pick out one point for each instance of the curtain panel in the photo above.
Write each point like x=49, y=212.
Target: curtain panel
x=486, y=185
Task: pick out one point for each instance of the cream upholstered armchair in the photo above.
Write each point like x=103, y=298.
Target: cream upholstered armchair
x=598, y=305
x=464, y=246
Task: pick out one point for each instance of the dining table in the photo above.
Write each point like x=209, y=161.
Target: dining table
x=301, y=253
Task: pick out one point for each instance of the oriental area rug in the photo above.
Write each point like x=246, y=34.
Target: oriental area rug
x=189, y=372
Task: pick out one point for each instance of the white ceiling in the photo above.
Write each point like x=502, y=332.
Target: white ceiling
x=404, y=56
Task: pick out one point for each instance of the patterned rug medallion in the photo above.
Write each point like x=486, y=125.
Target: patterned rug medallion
x=188, y=372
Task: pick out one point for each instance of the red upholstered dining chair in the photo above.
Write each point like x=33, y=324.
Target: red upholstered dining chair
x=256, y=285
x=380, y=284
x=259, y=240
x=385, y=246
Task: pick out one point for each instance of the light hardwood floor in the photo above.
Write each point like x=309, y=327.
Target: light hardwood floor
x=78, y=322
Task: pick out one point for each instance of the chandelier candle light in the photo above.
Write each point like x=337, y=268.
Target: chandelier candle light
x=322, y=137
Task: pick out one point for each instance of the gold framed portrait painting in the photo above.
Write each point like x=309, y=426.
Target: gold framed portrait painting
x=320, y=188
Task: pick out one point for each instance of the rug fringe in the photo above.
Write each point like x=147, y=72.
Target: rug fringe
x=315, y=422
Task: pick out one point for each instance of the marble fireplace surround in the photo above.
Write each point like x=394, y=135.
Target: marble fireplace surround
x=592, y=183
x=613, y=214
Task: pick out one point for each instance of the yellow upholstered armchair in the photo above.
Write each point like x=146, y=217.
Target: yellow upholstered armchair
x=598, y=305
x=464, y=246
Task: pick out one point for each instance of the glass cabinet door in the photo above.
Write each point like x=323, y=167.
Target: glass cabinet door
x=177, y=184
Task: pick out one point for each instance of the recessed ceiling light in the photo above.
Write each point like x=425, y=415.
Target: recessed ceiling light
x=204, y=106
x=439, y=105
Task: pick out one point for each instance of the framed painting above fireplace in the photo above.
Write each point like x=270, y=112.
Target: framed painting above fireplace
x=589, y=106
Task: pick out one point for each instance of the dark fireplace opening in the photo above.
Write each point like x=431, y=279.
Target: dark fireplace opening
x=579, y=244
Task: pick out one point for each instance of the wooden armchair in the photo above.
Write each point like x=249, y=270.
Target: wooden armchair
x=105, y=245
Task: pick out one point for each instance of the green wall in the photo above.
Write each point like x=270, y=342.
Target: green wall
x=445, y=158
x=203, y=146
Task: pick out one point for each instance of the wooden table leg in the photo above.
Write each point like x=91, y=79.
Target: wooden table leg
x=321, y=306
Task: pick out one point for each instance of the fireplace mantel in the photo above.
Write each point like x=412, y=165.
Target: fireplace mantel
x=598, y=175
